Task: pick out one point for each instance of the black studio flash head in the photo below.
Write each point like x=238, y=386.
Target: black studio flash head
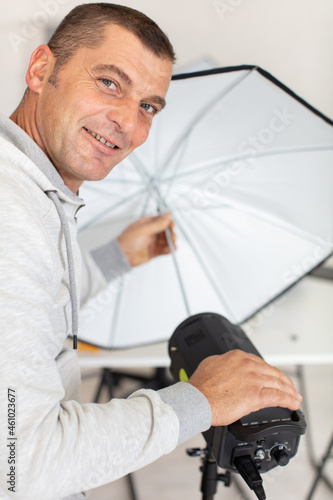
x=256, y=443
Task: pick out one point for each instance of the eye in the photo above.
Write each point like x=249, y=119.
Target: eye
x=149, y=108
x=109, y=83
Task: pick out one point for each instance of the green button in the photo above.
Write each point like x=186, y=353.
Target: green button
x=183, y=377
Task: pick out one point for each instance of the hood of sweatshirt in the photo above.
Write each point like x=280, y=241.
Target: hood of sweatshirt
x=40, y=169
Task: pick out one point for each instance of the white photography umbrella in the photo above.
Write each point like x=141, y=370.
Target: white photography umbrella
x=246, y=169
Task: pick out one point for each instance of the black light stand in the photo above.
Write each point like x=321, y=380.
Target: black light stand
x=210, y=476
x=252, y=445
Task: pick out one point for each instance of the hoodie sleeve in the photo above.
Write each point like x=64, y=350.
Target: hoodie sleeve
x=59, y=446
x=101, y=267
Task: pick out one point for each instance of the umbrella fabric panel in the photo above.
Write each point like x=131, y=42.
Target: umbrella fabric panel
x=217, y=276
x=248, y=261
x=186, y=107
x=294, y=191
x=253, y=118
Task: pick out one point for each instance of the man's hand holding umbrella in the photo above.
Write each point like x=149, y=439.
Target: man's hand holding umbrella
x=145, y=239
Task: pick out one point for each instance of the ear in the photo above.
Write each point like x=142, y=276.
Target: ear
x=40, y=68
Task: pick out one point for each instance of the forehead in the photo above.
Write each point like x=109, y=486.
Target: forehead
x=125, y=50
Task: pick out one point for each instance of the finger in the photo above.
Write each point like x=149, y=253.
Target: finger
x=173, y=234
x=162, y=243
x=157, y=224
x=276, y=391
x=161, y=247
x=278, y=382
x=284, y=380
x=277, y=397
x=267, y=369
x=267, y=376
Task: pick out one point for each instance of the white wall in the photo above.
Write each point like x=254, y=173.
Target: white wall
x=293, y=39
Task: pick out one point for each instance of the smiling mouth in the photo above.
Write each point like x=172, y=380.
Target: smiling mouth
x=101, y=139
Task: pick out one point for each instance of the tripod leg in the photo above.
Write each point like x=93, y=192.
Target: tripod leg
x=308, y=437
x=320, y=469
x=108, y=380
x=100, y=387
x=209, y=477
x=131, y=485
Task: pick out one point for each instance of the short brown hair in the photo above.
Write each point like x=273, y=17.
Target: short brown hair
x=84, y=26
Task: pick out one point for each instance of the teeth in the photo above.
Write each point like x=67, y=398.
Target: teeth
x=101, y=139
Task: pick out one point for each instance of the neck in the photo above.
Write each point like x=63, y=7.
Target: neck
x=24, y=117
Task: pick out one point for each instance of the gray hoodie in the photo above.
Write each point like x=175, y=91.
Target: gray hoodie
x=51, y=446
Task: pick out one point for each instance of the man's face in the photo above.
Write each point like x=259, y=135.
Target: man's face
x=103, y=97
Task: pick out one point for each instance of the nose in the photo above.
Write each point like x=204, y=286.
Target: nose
x=124, y=112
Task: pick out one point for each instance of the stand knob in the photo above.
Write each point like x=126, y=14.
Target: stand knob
x=280, y=455
x=194, y=452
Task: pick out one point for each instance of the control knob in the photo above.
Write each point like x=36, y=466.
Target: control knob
x=280, y=455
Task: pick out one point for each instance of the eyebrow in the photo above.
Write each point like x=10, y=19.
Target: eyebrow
x=113, y=68
x=157, y=100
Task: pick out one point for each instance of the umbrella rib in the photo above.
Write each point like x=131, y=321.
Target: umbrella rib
x=145, y=201
x=205, y=110
x=178, y=273
x=103, y=188
x=116, y=181
x=143, y=212
x=222, y=298
x=162, y=207
x=121, y=219
x=295, y=231
x=219, y=162
x=115, y=316
x=109, y=209
x=140, y=167
x=177, y=165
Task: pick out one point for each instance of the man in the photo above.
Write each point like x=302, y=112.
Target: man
x=92, y=94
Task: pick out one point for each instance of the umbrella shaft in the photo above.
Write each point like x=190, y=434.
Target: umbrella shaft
x=181, y=284
x=161, y=207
